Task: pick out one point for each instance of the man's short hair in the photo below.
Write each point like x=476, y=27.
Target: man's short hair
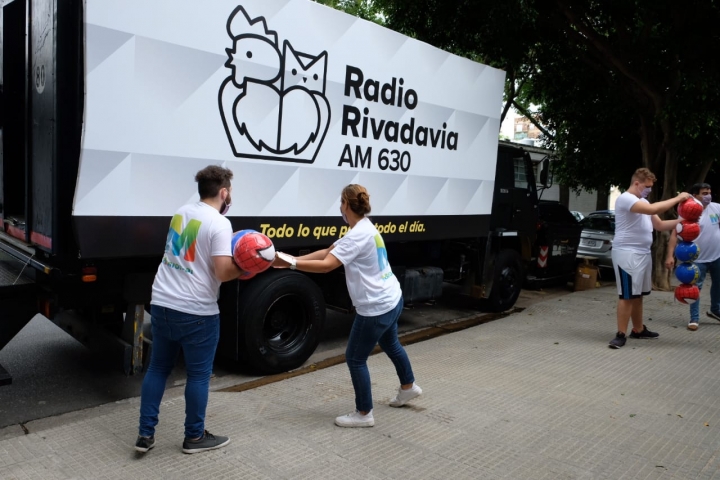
x=695, y=189
x=211, y=179
x=643, y=175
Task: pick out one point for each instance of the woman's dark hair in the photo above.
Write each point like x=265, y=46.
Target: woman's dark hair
x=695, y=189
x=358, y=198
x=211, y=179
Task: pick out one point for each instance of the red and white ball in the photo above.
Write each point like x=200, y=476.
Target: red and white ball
x=687, y=231
x=690, y=210
x=687, y=294
x=253, y=252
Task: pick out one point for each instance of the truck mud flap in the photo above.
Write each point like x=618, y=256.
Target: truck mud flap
x=18, y=303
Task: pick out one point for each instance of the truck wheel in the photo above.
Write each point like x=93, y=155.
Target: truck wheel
x=507, y=281
x=282, y=314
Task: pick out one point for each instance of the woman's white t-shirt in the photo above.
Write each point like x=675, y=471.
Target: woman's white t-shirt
x=185, y=279
x=373, y=287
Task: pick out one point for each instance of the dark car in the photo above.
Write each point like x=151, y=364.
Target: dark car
x=597, y=237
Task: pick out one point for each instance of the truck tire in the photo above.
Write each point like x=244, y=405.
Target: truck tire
x=281, y=314
x=507, y=281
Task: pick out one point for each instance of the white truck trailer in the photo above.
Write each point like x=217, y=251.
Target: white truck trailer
x=109, y=108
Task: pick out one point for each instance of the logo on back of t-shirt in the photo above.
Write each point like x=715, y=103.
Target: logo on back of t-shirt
x=382, y=256
x=181, y=241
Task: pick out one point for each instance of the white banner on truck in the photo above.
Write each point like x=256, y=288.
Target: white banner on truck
x=297, y=99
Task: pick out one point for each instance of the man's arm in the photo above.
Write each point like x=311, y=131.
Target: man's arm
x=664, y=225
x=226, y=269
x=658, y=207
x=672, y=243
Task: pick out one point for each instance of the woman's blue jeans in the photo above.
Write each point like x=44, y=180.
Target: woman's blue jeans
x=714, y=269
x=198, y=337
x=365, y=334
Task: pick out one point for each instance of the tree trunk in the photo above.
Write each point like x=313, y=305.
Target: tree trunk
x=660, y=275
x=660, y=156
x=602, y=201
x=564, y=196
x=698, y=174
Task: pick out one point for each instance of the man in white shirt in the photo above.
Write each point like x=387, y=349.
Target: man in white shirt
x=184, y=309
x=708, y=260
x=635, y=219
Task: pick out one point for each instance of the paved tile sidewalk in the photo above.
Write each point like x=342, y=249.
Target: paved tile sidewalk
x=535, y=395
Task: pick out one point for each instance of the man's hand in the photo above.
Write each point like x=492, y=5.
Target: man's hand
x=670, y=263
x=682, y=196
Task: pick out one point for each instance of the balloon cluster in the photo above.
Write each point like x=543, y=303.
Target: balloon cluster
x=686, y=251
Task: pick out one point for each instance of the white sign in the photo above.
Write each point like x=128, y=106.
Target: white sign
x=296, y=98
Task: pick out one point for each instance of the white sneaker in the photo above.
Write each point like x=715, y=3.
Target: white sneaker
x=404, y=396
x=693, y=326
x=355, y=419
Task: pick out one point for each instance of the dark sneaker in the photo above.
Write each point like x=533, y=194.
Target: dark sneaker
x=644, y=334
x=716, y=316
x=143, y=444
x=618, y=341
x=207, y=442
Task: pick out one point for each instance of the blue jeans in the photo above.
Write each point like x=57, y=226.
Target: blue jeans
x=198, y=337
x=365, y=334
x=714, y=269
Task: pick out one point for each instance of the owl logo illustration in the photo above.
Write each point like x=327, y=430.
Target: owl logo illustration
x=273, y=103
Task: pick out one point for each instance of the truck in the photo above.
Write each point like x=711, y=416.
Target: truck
x=110, y=107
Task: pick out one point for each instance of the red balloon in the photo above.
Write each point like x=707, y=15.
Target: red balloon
x=687, y=294
x=687, y=231
x=690, y=210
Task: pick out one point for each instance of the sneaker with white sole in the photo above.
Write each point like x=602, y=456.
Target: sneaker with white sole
x=716, y=316
x=355, y=419
x=693, y=326
x=144, y=444
x=207, y=442
x=404, y=396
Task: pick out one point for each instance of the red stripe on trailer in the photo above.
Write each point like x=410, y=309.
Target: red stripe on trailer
x=542, y=258
x=40, y=239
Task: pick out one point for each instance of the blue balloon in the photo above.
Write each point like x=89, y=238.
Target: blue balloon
x=687, y=251
x=236, y=237
x=687, y=273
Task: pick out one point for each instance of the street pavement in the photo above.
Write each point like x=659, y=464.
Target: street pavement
x=537, y=394
x=55, y=374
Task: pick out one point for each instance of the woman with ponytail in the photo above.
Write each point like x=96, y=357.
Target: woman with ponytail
x=377, y=297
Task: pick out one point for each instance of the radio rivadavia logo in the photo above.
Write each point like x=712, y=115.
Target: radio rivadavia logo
x=273, y=103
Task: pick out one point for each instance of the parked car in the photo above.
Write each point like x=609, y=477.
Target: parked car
x=578, y=215
x=597, y=237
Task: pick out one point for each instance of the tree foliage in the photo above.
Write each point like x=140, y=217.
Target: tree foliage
x=620, y=83
x=365, y=9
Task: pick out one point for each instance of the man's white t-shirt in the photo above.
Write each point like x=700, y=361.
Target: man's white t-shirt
x=709, y=239
x=185, y=279
x=633, y=231
x=373, y=288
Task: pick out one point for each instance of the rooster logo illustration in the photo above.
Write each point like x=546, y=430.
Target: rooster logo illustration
x=273, y=103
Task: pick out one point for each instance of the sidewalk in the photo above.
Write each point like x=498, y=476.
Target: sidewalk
x=537, y=394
